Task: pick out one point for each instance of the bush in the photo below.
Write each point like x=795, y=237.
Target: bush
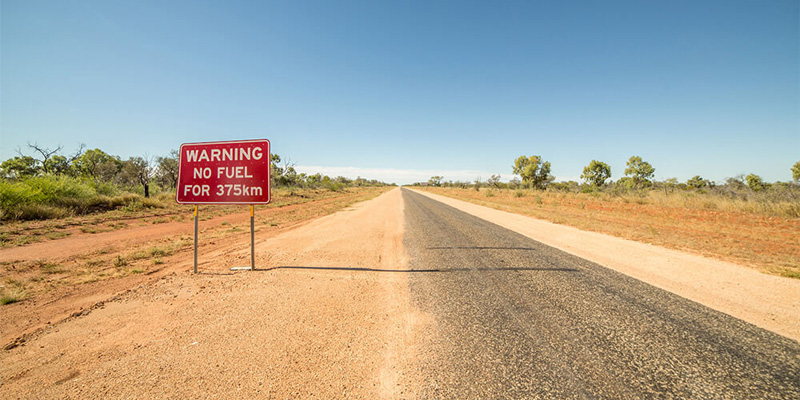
x=105, y=189
x=55, y=188
x=39, y=211
x=335, y=187
x=48, y=196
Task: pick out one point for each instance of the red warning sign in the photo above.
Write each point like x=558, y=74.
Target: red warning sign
x=235, y=172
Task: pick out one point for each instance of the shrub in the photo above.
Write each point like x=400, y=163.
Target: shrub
x=37, y=211
x=50, y=196
x=335, y=187
x=754, y=182
x=120, y=262
x=12, y=296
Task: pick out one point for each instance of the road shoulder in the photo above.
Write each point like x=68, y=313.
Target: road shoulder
x=326, y=315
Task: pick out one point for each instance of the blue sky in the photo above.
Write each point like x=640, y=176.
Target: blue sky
x=402, y=90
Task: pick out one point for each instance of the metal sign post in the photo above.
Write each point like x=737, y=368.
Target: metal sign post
x=232, y=172
x=252, y=238
x=195, y=239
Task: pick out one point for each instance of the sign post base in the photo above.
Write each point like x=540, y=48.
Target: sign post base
x=241, y=268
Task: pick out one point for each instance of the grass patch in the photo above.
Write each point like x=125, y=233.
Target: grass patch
x=19, y=240
x=154, y=252
x=49, y=197
x=56, y=235
x=50, y=268
x=12, y=296
x=13, y=292
x=105, y=250
x=791, y=273
x=120, y=262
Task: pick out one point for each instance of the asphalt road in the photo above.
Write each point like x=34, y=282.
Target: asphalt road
x=516, y=319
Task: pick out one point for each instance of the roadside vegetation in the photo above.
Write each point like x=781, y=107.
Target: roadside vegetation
x=44, y=184
x=743, y=219
x=47, y=196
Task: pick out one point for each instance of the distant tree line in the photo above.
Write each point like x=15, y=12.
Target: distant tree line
x=95, y=165
x=144, y=171
x=286, y=176
x=534, y=173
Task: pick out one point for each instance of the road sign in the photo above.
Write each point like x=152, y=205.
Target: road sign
x=235, y=172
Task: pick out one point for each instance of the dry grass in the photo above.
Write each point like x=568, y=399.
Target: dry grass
x=162, y=209
x=12, y=291
x=29, y=279
x=734, y=230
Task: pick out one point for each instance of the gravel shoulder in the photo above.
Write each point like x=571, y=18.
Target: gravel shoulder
x=767, y=301
x=327, y=316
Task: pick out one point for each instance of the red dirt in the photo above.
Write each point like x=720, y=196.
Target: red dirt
x=57, y=301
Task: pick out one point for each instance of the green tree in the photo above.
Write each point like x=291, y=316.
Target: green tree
x=736, y=183
x=288, y=176
x=641, y=172
x=596, y=173
x=314, y=180
x=670, y=184
x=697, y=182
x=754, y=182
x=61, y=165
x=97, y=165
x=494, y=181
x=46, y=156
x=19, y=167
x=277, y=172
x=435, y=180
x=533, y=170
x=138, y=170
x=58, y=165
x=796, y=171
x=166, y=174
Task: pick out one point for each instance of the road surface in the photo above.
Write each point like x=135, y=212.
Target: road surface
x=517, y=319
